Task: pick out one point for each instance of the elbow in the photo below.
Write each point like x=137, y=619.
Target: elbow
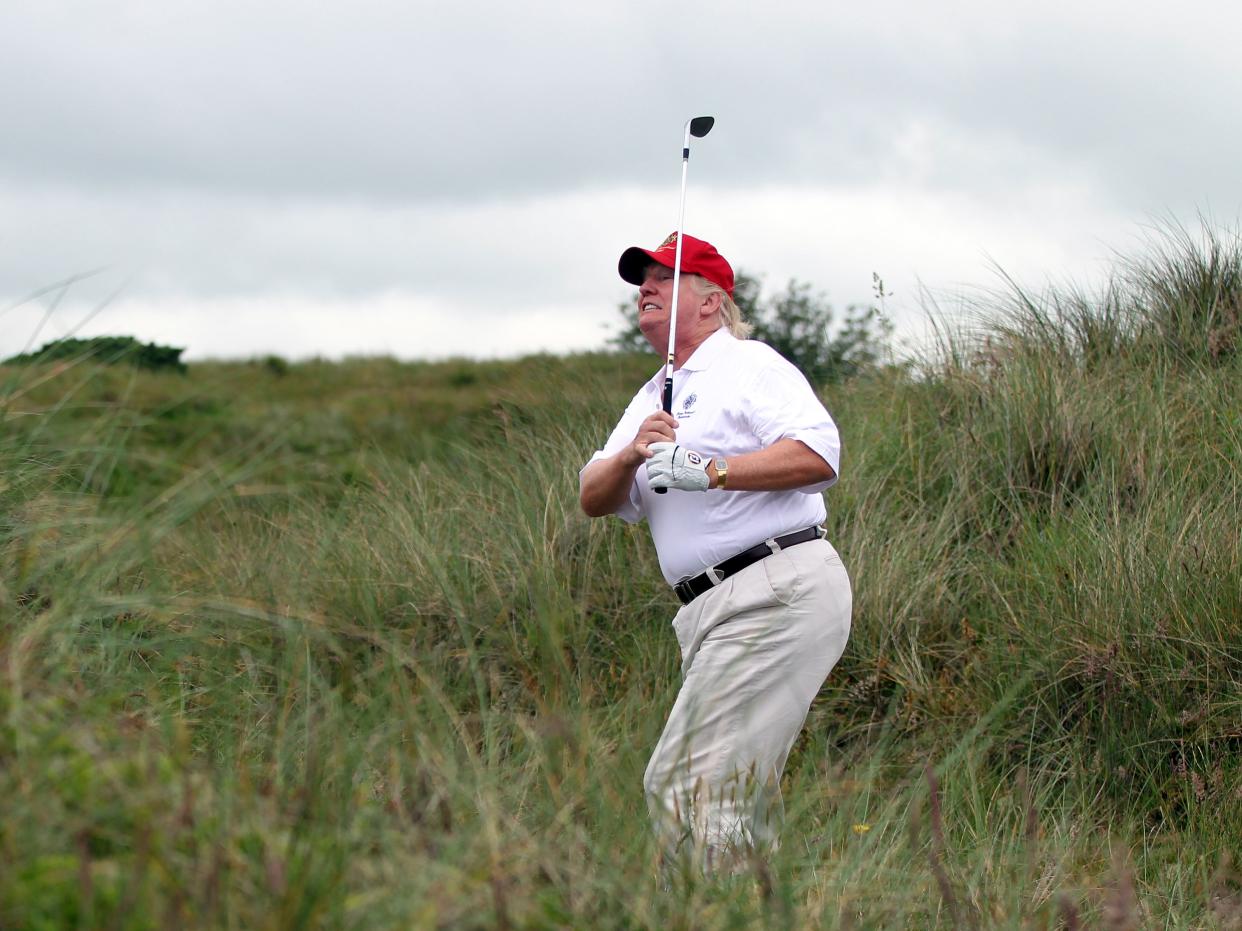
x=818, y=471
x=594, y=509
x=818, y=476
x=590, y=499
x=813, y=465
x=590, y=506
x=822, y=468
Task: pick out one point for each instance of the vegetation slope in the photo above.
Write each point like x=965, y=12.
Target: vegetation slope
x=330, y=645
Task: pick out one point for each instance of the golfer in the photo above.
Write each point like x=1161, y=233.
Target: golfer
x=765, y=598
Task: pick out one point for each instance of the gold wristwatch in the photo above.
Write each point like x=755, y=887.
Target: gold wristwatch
x=722, y=471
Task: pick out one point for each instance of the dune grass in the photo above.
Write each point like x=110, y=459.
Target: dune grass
x=330, y=645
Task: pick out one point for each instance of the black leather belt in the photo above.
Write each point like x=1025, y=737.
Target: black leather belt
x=689, y=589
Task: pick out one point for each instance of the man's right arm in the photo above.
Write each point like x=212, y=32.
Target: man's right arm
x=604, y=485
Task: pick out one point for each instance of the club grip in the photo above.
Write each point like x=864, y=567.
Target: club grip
x=668, y=409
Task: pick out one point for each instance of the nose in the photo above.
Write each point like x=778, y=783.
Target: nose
x=648, y=287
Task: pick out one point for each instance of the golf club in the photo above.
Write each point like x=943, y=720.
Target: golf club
x=698, y=127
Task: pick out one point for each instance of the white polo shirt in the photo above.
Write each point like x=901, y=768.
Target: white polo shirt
x=730, y=397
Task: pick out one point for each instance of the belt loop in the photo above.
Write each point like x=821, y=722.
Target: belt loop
x=712, y=573
x=773, y=545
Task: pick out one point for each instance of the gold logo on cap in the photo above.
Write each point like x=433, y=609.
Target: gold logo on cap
x=669, y=242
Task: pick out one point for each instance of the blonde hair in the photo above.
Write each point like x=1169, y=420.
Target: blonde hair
x=730, y=313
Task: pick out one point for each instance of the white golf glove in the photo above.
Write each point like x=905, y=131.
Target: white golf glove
x=674, y=466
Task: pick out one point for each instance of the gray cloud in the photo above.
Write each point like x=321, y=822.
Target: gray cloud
x=494, y=156
x=422, y=102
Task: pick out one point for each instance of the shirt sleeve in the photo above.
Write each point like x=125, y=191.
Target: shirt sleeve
x=622, y=434
x=781, y=404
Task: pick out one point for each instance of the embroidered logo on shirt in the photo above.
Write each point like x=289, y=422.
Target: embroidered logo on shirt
x=686, y=405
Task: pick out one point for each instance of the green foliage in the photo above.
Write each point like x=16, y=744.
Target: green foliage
x=337, y=649
x=276, y=365
x=1187, y=295
x=799, y=324
x=1176, y=305
x=108, y=350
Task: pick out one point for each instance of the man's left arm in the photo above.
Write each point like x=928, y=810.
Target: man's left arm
x=800, y=445
x=786, y=464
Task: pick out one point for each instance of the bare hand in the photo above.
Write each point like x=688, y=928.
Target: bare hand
x=658, y=428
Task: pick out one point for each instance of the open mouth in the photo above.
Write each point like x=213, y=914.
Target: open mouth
x=648, y=306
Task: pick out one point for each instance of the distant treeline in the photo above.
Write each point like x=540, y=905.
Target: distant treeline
x=110, y=350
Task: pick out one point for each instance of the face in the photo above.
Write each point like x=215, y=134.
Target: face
x=655, y=296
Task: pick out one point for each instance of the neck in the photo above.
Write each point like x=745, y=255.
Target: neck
x=685, y=350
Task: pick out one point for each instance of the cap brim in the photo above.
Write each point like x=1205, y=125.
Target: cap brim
x=634, y=262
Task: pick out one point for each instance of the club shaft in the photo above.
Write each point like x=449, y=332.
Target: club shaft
x=672, y=319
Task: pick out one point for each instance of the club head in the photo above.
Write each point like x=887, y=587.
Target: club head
x=700, y=126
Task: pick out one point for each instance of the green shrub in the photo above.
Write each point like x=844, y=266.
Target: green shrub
x=109, y=350
x=276, y=365
x=799, y=324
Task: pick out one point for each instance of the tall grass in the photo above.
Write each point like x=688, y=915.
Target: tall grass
x=331, y=645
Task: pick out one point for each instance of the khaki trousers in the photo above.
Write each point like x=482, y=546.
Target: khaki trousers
x=755, y=651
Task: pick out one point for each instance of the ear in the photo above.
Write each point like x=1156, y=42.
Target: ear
x=710, y=305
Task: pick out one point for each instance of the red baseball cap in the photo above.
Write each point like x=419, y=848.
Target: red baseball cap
x=697, y=258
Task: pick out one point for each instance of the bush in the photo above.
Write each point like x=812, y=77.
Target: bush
x=799, y=324
x=276, y=365
x=110, y=350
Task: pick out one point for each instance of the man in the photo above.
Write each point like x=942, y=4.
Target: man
x=765, y=599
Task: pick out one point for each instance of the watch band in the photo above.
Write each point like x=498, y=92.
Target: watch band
x=722, y=471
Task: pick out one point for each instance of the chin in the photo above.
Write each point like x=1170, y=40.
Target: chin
x=656, y=333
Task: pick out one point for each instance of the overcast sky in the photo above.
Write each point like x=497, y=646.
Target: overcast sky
x=430, y=179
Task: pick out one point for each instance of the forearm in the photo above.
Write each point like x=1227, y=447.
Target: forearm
x=605, y=484
x=784, y=465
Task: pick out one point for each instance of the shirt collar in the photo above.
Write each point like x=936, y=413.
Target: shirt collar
x=709, y=351
x=703, y=356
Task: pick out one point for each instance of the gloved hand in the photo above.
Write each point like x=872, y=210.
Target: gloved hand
x=674, y=466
